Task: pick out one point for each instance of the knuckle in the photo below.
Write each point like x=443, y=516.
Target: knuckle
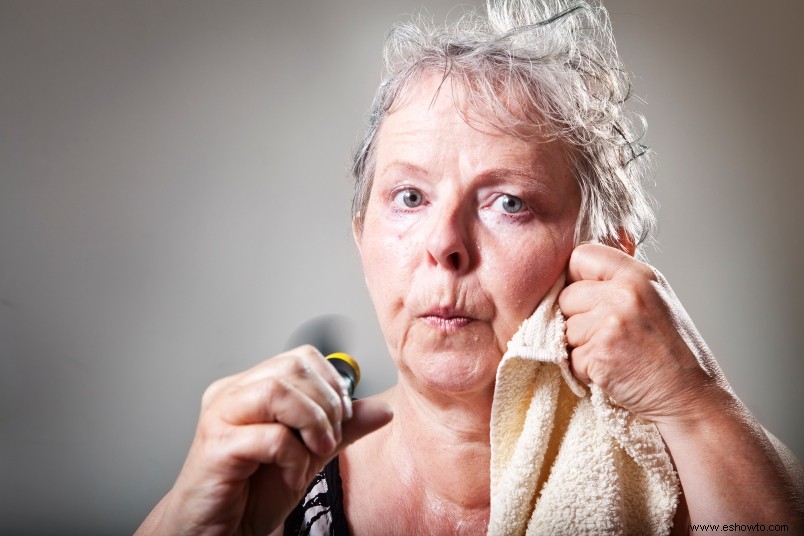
x=630, y=297
x=273, y=389
x=614, y=325
x=309, y=351
x=298, y=368
x=610, y=335
x=212, y=391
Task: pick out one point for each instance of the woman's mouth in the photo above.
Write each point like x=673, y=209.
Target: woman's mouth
x=446, y=321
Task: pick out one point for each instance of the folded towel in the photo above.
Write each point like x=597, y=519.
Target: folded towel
x=564, y=458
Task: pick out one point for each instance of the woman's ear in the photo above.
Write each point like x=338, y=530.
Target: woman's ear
x=626, y=243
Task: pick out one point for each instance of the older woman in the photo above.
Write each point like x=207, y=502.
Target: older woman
x=498, y=158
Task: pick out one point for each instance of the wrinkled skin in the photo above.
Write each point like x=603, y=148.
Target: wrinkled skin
x=630, y=335
x=465, y=231
x=452, y=270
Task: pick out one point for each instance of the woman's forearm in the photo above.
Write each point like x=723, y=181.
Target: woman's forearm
x=150, y=526
x=729, y=471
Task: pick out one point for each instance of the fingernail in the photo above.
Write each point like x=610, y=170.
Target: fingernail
x=345, y=387
x=347, y=407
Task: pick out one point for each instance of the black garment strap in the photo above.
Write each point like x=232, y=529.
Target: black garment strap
x=322, y=505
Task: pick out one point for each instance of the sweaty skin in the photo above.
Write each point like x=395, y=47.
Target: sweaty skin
x=466, y=230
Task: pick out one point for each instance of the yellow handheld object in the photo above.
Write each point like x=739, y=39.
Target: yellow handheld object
x=348, y=368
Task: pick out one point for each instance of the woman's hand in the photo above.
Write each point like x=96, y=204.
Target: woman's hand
x=629, y=334
x=262, y=436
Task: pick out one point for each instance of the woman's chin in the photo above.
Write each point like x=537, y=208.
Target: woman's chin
x=451, y=372
x=459, y=360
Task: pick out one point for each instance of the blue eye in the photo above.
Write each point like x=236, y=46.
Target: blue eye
x=508, y=203
x=409, y=197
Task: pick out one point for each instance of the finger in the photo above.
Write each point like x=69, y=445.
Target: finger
x=581, y=328
x=330, y=374
x=322, y=393
x=294, y=362
x=596, y=262
x=318, y=362
x=580, y=297
x=271, y=444
x=273, y=400
x=369, y=415
x=281, y=364
x=579, y=364
x=315, y=360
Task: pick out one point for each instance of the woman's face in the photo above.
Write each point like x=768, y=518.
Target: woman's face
x=465, y=231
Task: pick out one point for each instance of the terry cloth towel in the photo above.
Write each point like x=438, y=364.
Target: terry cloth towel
x=564, y=458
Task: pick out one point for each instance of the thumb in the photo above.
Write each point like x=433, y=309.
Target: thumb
x=368, y=415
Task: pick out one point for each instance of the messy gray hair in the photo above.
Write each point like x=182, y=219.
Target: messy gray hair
x=537, y=70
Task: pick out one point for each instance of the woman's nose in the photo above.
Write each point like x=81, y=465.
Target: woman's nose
x=447, y=240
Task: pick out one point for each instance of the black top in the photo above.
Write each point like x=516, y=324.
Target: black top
x=320, y=513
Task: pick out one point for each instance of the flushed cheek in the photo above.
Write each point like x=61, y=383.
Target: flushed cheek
x=519, y=282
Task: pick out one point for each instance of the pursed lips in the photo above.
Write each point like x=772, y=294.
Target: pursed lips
x=447, y=319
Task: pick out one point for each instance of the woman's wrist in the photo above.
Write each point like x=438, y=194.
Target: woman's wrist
x=707, y=416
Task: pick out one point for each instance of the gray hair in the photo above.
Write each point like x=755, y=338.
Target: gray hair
x=559, y=62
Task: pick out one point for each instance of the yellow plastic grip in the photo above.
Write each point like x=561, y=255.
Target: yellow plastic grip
x=349, y=359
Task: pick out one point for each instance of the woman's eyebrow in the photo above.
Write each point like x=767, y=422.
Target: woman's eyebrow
x=404, y=166
x=529, y=177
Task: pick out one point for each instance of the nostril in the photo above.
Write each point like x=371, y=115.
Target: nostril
x=454, y=260
x=446, y=241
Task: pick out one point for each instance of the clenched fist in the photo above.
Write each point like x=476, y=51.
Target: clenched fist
x=262, y=436
x=630, y=335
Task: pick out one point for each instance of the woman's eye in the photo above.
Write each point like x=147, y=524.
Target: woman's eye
x=508, y=203
x=409, y=197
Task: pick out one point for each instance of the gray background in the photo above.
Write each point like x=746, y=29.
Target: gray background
x=174, y=202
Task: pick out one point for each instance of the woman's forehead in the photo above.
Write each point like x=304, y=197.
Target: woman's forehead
x=510, y=110
x=435, y=122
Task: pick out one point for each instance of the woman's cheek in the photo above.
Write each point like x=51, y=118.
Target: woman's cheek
x=386, y=258
x=519, y=273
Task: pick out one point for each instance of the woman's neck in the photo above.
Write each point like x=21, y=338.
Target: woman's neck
x=430, y=466
x=442, y=442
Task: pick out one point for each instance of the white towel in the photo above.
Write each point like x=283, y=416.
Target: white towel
x=564, y=458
